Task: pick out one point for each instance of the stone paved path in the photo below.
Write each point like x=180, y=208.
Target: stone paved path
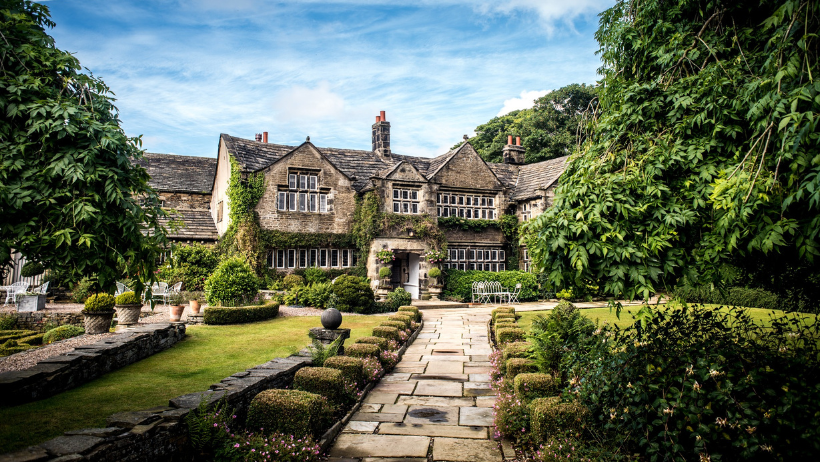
x=436, y=405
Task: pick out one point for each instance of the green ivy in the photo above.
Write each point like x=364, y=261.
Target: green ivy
x=424, y=227
x=366, y=220
x=274, y=239
x=243, y=193
x=508, y=224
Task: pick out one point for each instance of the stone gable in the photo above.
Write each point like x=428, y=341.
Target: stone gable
x=467, y=170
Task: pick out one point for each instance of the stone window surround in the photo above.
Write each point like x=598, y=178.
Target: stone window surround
x=472, y=206
x=469, y=258
x=294, y=258
x=219, y=207
x=302, y=193
x=406, y=199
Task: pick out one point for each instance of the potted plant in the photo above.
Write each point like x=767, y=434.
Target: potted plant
x=435, y=289
x=98, y=313
x=176, y=301
x=194, y=299
x=128, y=306
x=30, y=301
x=384, y=280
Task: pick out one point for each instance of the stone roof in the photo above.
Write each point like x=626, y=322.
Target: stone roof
x=199, y=225
x=541, y=175
x=507, y=173
x=179, y=173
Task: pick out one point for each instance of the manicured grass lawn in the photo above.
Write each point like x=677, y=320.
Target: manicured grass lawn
x=206, y=356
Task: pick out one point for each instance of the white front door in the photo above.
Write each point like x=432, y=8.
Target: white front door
x=412, y=284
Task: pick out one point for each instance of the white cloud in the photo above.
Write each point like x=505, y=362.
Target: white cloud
x=299, y=102
x=526, y=101
x=550, y=12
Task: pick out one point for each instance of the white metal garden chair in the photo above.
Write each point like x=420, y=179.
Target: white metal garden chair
x=159, y=292
x=42, y=289
x=513, y=296
x=175, y=289
x=14, y=289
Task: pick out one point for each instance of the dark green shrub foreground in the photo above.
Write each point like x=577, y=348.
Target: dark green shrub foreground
x=517, y=366
x=354, y=294
x=232, y=280
x=459, y=283
x=549, y=417
x=292, y=412
x=323, y=381
x=363, y=350
x=732, y=296
x=62, y=333
x=351, y=367
x=215, y=315
x=508, y=334
x=531, y=385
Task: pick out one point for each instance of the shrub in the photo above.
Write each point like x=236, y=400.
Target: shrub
x=434, y=272
x=31, y=269
x=515, y=366
x=505, y=322
x=317, y=294
x=732, y=296
x=401, y=318
x=500, y=316
x=372, y=369
x=14, y=334
x=323, y=381
x=503, y=309
x=293, y=280
x=378, y=341
x=191, y=265
x=82, y=290
x=557, y=334
x=459, y=283
x=363, y=350
x=35, y=339
x=7, y=321
x=508, y=334
x=262, y=446
x=398, y=298
x=549, y=416
x=411, y=309
x=315, y=275
x=389, y=359
x=354, y=294
x=397, y=324
x=99, y=303
x=216, y=315
x=292, y=412
x=516, y=350
x=531, y=385
x=128, y=298
x=381, y=307
x=565, y=294
x=390, y=333
x=385, y=272
x=232, y=280
x=351, y=367
x=62, y=333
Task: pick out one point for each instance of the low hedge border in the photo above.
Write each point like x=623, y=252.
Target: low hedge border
x=517, y=366
x=219, y=315
x=351, y=367
x=390, y=333
x=293, y=412
x=549, y=416
x=509, y=334
x=531, y=385
x=397, y=324
x=378, y=341
x=324, y=381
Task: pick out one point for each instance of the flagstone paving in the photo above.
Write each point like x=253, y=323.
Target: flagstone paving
x=436, y=405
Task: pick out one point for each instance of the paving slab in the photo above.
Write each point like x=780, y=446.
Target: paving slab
x=355, y=426
x=485, y=401
x=435, y=401
x=475, y=416
x=381, y=398
x=432, y=415
x=438, y=388
x=377, y=417
x=444, y=368
x=394, y=408
x=403, y=388
x=358, y=445
x=436, y=431
x=465, y=450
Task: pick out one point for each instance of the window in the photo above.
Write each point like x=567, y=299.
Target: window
x=291, y=258
x=471, y=254
x=479, y=255
x=312, y=260
x=302, y=202
x=323, y=258
x=471, y=266
x=271, y=257
x=280, y=258
x=292, y=181
x=298, y=199
x=303, y=182
x=322, y=203
x=334, y=258
x=405, y=201
x=478, y=207
x=501, y=255
x=494, y=255
x=219, y=212
x=354, y=257
x=345, y=259
x=292, y=201
x=283, y=201
x=313, y=204
x=461, y=255
x=313, y=183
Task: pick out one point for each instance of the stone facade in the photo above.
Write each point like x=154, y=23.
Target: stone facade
x=181, y=200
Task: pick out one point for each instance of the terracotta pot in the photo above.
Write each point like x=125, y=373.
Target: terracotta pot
x=99, y=322
x=194, y=304
x=176, y=312
x=128, y=314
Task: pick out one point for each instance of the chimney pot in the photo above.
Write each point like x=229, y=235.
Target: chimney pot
x=258, y=137
x=518, y=141
x=382, y=116
x=264, y=137
x=509, y=139
x=378, y=119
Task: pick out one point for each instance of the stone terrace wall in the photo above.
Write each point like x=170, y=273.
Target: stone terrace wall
x=37, y=320
x=85, y=363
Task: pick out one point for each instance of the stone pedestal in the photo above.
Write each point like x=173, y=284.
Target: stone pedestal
x=26, y=303
x=382, y=294
x=328, y=336
x=434, y=293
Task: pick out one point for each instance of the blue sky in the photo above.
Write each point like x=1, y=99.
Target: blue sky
x=185, y=71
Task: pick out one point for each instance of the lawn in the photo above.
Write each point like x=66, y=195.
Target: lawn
x=207, y=355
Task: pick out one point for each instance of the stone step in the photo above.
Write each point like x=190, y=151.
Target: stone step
x=433, y=305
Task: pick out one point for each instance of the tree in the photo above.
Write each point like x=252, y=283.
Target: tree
x=704, y=153
x=69, y=189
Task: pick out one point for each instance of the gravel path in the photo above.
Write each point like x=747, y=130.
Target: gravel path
x=29, y=358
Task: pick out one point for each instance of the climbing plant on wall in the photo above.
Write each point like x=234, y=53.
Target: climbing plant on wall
x=366, y=220
x=242, y=236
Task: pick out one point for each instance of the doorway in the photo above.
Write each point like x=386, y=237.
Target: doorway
x=406, y=273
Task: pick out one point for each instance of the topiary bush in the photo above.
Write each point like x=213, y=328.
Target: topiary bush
x=505, y=322
x=363, y=350
x=434, y=273
x=411, y=309
x=354, y=294
x=380, y=342
x=218, y=315
x=532, y=385
x=293, y=280
x=31, y=269
x=385, y=272
x=128, y=298
x=515, y=366
x=34, y=339
x=500, y=316
x=459, y=283
x=401, y=318
x=516, y=350
x=324, y=381
x=351, y=367
x=397, y=324
x=232, y=280
x=502, y=309
x=292, y=412
x=508, y=334
x=62, y=333
x=99, y=303
x=549, y=416
x=390, y=333
x=731, y=296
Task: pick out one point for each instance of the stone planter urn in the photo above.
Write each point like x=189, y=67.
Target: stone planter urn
x=31, y=302
x=128, y=314
x=98, y=322
x=331, y=319
x=175, y=312
x=382, y=294
x=434, y=293
x=194, y=304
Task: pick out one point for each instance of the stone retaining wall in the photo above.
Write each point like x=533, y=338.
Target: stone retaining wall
x=85, y=363
x=37, y=320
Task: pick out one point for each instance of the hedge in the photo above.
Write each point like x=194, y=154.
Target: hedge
x=378, y=341
x=390, y=333
x=459, y=284
x=401, y=318
x=14, y=334
x=549, y=416
x=397, y=324
x=502, y=309
x=411, y=309
x=733, y=296
x=62, y=333
x=363, y=350
x=352, y=368
x=292, y=412
x=500, y=316
x=516, y=350
x=324, y=381
x=508, y=334
x=517, y=366
x=532, y=385
x=217, y=315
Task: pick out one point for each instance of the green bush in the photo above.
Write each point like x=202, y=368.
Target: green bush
x=508, y=334
x=62, y=333
x=406, y=320
x=500, y=316
x=128, y=298
x=324, y=381
x=411, y=309
x=315, y=276
x=82, y=290
x=390, y=333
x=516, y=350
x=14, y=334
x=217, y=315
x=191, y=265
x=506, y=322
x=557, y=334
x=7, y=321
x=565, y=294
x=34, y=339
x=385, y=272
x=458, y=284
x=515, y=366
x=502, y=309
x=352, y=368
x=292, y=412
x=549, y=417
x=399, y=298
x=31, y=269
x=378, y=341
x=434, y=272
x=363, y=350
x=733, y=296
x=531, y=385
x=317, y=294
x=293, y=280
x=10, y=350
x=99, y=303
x=381, y=307
x=397, y=324
x=354, y=294
x=232, y=280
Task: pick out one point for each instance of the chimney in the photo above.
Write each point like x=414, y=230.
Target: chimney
x=264, y=137
x=381, y=136
x=258, y=137
x=513, y=153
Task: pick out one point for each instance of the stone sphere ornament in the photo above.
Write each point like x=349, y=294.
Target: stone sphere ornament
x=331, y=319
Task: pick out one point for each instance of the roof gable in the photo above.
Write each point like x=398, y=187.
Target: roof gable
x=538, y=176
x=404, y=171
x=464, y=168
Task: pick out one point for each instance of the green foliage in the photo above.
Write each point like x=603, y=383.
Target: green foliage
x=502, y=309
x=363, y=350
x=703, y=153
x=7, y=322
x=315, y=276
x=385, y=272
x=323, y=381
x=62, y=333
x=31, y=269
x=516, y=350
x=556, y=334
x=68, y=181
x=409, y=309
x=275, y=239
x=508, y=334
x=351, y=367
x=399, y=298
x=551, y=417
x=434, y=272
x=424, y=227
x=34, y=339
x=292, y=412
x=564, y=294
x=216, y=315
x=400, y=317
x=14, y=335
x=515, y=366
x=98, y=303
x=389, y=333
x=244, y=192
x=293, y=280
x=318, y=294
x=458, y=284
x=366, y=220
x=354, y=294
x=731, y=296
x=232, y=280
x=529, y=386
x=378, y=341
x=128, y=298
x=206, y=427
x=82, y=290
x=320, y=352
x=397, y=324
x=191, y=265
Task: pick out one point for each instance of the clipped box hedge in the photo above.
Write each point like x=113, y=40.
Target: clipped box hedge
x=36, y=339
x=324, y=381
x=390, y=333
x=14, y=334
x=219, y=315
x=516, y=350
x=549, y=416
x=292, y=412
x=515, y=366
x=401, y=318
x=506, y=323
x=363, y=350
x=379, y=341
x=62, y=333
x=508, y=334
x=459, y=284
x=532, y=385
x=351, y=368
x=411, y=309
x=502, y=309
x=500, y=316
x=397, y=324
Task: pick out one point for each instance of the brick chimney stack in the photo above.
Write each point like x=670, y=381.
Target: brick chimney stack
x=513, y=153
x=381, y=136
x=264, y=137
x=258, y=137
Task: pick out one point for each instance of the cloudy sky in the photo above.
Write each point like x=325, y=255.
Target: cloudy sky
x=185, y=71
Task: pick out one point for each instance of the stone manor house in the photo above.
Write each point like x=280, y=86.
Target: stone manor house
x=311, y=189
